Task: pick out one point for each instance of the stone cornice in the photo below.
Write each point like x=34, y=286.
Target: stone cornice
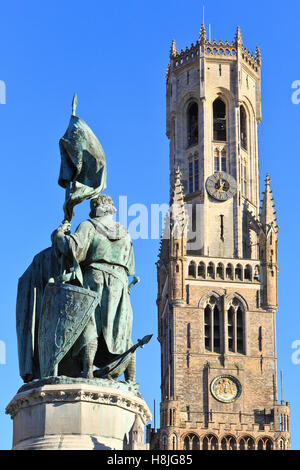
x=73, y=393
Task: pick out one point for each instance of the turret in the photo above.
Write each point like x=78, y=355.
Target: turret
x=268, y=240
x=178, y=241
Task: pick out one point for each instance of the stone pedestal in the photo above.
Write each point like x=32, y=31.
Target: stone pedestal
x=78, y=416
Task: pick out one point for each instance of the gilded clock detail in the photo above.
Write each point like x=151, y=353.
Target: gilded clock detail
x=221, y=186
x=226, y=388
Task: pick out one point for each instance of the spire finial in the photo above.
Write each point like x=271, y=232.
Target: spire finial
x=173, y=50
x=74, y=104
x=238, y=37
x=202, y=34
x=267, y=216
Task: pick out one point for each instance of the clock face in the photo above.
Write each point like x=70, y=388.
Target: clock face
x=226, y=388
x=221, y=186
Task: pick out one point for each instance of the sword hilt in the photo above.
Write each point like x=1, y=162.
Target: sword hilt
x=133, y=283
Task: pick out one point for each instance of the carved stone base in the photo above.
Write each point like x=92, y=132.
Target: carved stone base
x=78, y=416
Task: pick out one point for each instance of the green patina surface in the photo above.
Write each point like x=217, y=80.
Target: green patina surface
x=73, y=306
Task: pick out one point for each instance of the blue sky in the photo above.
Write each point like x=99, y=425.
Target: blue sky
x=114, y=55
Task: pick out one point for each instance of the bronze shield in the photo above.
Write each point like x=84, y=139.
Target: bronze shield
x=65, y=312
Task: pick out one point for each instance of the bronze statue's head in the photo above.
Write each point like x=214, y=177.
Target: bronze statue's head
x=102, y=205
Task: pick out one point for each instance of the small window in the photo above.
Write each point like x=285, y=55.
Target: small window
x=220, y=161
x=192, y=269
x=239, y=331
x=192, y=124
x=220, y=271
x=243, y=127
x=217, y=164
x=228, y=443
x=229, y=272
x=207, y=327
x=201, y=270
x=217, y=337
x=191, y=186
x=238, y=272
x=230, y=329
x=248, y=273
x=210, y=442
x=211, y=270
x=196, y=174
x=188, y=335
x=223, y=163
x=236, y=328
x=219, y=120
x=244, y=179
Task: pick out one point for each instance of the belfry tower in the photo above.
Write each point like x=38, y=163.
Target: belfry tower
x=217, y=270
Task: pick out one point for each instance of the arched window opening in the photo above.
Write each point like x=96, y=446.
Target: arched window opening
x=240, y=331
x=281, y=445
x=231, y=329
x=248, y=273
x=211, y=270
x=177, y=268
x=201, y=270
x=243, y=127
x=216, y=160
x=220, y=163
x=192, y=124
x=191, y=442
x=220, y=271
x=210, y=442
x=265, y=444
x=217, y=337
x=212, y=325
x=223, y=161
x=269, y=444
x=246, y=443
x=236, y=327
x=238, y=272
x=164, y=443
x=207, y=327
x=192, y=269
x=228, y=443
x=174, y=442
x=219, y=120
x=257, y=274
x=188, y=335
x=229, y=272
x=244, y=180
x=186, y=443
x=260, y=445
x=194, y=173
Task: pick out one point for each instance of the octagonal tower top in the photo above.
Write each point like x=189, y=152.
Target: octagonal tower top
x=218, y=50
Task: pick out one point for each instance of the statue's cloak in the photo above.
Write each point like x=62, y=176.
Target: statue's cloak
x=31, y=288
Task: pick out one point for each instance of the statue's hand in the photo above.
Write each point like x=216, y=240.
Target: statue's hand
x=63, y=228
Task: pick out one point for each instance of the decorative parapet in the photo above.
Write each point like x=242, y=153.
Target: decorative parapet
x=224, y=50
x=186, y=56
